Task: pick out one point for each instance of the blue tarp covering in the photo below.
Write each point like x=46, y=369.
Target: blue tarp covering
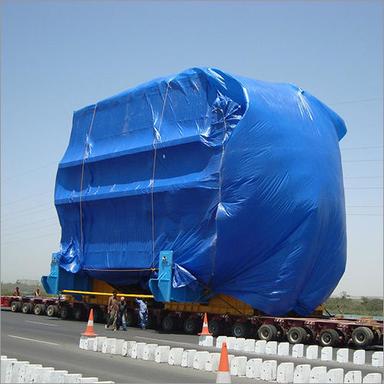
x=242, y=179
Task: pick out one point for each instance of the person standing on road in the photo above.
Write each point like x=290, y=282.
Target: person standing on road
x=143, y=313
x=113, y=306
x=122, y=313
x=17, y=292
x=37, y=292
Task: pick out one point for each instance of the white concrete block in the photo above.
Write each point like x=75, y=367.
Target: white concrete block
x=206, y=341
x=253, y=369
x=72, y=378
x=342, y=355
x=220, y=340
x=298, y=350
x=231, y=342
x=377, y=359
x=57, y=376
x=260, y=346
x=127, y=347
x=318, y=375
x=30, y=373
x=149, y=351
x=359, y=357
x=175, y=356
x=372, y=378
x=7, y=366
x=187, y=358
x=162, y=354
x=82, y=342
x=116, y=347
x=271, y=348
x=312, y=352
x=107, y=345
x=302, y=373
x=238, y=366
x=249, y=345
x=138, y=350
x=283, y=349
x=268, y=370
x=353, y=377
x=212, y=363
x=326, y=354
x=42, y=375
x=335, y=375
x=99, y=343
x=285, y=373
x=106, y=382
x=91, y=343
x=87, y=380
x=18, y=372
x=200, y=359
x=239, y=344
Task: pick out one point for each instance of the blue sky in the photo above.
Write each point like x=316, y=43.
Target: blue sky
x=59, y=56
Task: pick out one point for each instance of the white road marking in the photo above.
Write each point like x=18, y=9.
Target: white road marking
x=38, y=322
x=36, y=341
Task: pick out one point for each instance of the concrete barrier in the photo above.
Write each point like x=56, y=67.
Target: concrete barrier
x=30, y=373
x=116, y=347
x=127, y=347
x=187, y=358
x=212, y=363
x=57, y=376
x=206, y=341
x=335, y=375
x=72, y=378
x=283, y=349
x=253, y=369
x=271, y=348
x=326, y=354
x=107, y=345
x=82, y=342
x=138, y=351
x=268, y=370
x=149, y=351
x=285, y=373
x=220, y=340
x=298, y=350
x=353, y=377
x=342, y=355
x=99, y=343
x=18, y=372
x=238, y=366
x=175, y=356
x=41, y=375
x=7, y=366
x=260, y=346
x=162, y=354
x=312, y=352
x=239, y=344
x=249, y=345
x=200, y=359
x=231, y=342
x=318, y=375
x=372, y=378
x=377, y=359
x=91, y=343
x=86, y=380
x=302, y=373
x=359, y=357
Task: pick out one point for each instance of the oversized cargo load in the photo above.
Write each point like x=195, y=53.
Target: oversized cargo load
x=240, y=178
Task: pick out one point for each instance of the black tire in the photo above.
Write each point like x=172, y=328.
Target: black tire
x=362, y=337
x=296, y=335
x=216, y=327
x=38, y=309
x=329, y=338
x=79, y=313
x=241, y=329
x=98, y=315
x=192, y=325
x=168, y=324
x=52, y=310
x=26, y=308
x=267, y=332
x=15, y=306
x=64, y=312
x=131, y=319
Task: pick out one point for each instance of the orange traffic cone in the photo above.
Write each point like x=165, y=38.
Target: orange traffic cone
x=205, y=330
x=89, y=331
x=223, y=374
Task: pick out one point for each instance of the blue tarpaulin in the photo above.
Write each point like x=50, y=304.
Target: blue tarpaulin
x=242, y=179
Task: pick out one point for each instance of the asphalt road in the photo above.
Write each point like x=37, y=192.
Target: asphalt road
x=55, y=343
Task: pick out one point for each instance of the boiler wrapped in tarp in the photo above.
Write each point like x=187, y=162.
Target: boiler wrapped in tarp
x=240, y=178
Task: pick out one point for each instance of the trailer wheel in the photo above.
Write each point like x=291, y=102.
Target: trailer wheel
x=52, y=310
x=15, y=306
x=64, y=312
x=26, y=308
x=216, y=327
x=191, y=325
x=38, y=309
x=296, y=335
x=240, y=329
x=362, y=337
x=168, y=324
x=329, y=338
x=267, y=332
x=79, y=313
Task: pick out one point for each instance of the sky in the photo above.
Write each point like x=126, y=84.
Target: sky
x=59, y=56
